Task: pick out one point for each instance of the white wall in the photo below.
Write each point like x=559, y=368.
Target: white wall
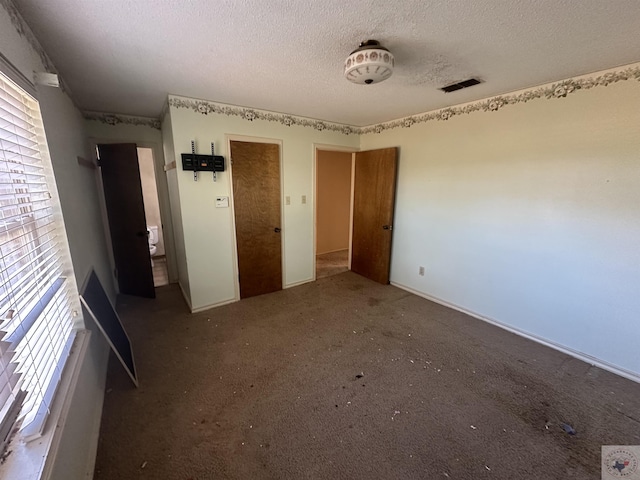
x=529, y=216
x=77, y=191
x=208, y=233
x=176, y=212
x=77, y=185
x=149, y=137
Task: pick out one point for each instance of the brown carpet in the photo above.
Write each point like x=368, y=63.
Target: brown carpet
x=347, y=379
x=333, y=263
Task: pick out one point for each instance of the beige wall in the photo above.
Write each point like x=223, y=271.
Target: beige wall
x=528, y=216
x=150, y=194
x=333, y=198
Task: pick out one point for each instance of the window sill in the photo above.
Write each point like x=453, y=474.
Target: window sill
x=33, y=460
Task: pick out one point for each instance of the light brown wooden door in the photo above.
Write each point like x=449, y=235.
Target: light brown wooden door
x=374, y=198
x=127, y=223
x=256, y=200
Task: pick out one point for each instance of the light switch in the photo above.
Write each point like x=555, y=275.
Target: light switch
x=222, y=202
x=304, y=199
x=287, y=200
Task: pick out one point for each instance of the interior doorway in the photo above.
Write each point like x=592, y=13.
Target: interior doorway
x=152, y=214
x=133, y=220
x=334, y=180
x=355, y=198
x=126, y=218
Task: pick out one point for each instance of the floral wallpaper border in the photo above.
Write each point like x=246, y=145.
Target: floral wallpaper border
x=113, y=119
x=206, y=107
x=549, y=91
x=25, y=31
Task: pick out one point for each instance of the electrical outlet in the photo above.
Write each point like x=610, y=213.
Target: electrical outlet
x=287, y=200
x=304, y=199
x=421, y=271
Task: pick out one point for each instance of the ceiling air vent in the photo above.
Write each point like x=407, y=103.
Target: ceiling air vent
x=460, y=85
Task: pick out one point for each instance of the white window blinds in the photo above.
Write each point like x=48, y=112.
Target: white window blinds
x=36, y=300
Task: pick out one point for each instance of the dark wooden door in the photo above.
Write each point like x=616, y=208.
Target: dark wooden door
x=256, y=200
x=374, y=198
x=127, y=223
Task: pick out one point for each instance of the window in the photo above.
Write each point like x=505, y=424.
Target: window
x=38, y=294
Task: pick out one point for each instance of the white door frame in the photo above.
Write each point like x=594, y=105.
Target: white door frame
x=331, y=148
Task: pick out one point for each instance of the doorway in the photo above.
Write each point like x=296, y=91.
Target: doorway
x=333, y=211
x=126, y=218
x=152, y=214
x=257, y=206
x=132, y=213
x=362, y=183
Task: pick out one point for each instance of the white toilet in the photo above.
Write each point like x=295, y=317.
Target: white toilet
x=153, y=240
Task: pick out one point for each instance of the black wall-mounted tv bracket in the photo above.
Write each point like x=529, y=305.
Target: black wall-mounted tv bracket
x=202, y=163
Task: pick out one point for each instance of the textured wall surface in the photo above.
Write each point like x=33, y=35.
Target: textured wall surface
x=528, y=216
x=285, y=56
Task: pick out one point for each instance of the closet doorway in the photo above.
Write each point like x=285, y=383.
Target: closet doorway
x=257, y=208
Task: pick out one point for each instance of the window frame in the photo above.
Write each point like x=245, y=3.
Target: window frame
x=74, y=338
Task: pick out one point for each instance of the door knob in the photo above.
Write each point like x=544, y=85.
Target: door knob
x=387, y=227
x=277, y=230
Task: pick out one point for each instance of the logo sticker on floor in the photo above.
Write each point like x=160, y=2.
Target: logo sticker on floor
x=621, y=461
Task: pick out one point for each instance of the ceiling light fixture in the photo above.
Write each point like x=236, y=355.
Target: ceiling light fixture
x=369, y=63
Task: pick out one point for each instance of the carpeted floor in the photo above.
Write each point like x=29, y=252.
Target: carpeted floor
x=347, y=379
x=333, y=263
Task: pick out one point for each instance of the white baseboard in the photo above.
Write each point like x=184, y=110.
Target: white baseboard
x=213, y=305
x=233, y=300
x=206, y=307
x=93, y=439
x=301, y=282
x=185, y=296
x=633, y=376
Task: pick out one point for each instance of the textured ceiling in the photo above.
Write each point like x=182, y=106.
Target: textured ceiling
x=124, y=56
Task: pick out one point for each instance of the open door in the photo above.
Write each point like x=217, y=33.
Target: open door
x=127, y=223
x=374, y=198
x=256, y=201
